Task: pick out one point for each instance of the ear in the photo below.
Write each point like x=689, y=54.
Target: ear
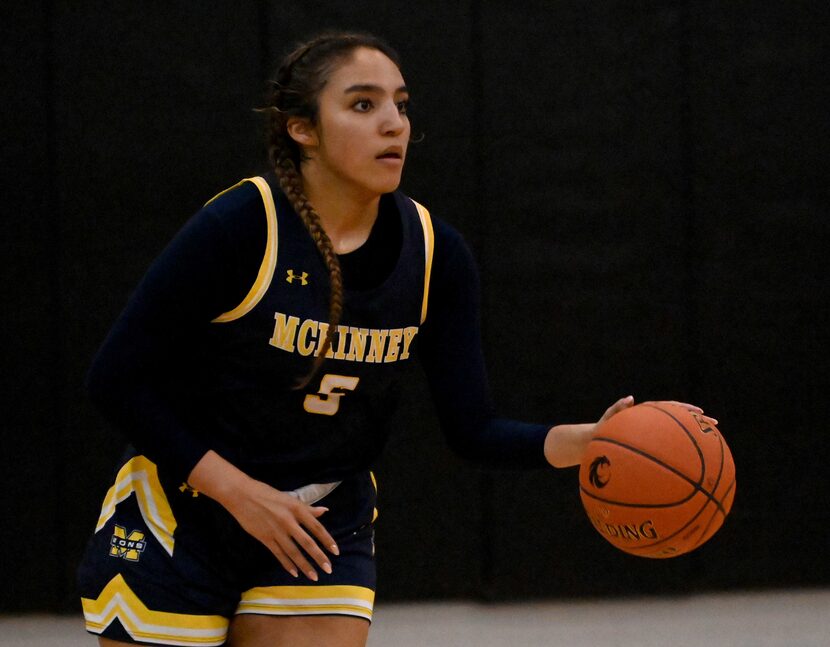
x=301, y=131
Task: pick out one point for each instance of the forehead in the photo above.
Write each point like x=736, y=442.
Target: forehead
x=366, y=67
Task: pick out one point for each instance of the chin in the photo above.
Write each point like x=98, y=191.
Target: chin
x=390, y=185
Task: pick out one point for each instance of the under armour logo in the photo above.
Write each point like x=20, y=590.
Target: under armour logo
x=185, y=487
x=303, y=278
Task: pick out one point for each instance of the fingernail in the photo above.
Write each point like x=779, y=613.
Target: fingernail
x=333, y=548
x=294, y=573
x=327, y=568
x=312, y=575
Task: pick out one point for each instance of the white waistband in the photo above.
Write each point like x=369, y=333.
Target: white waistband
x=313, y=492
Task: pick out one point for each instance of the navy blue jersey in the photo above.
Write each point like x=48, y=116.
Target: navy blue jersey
x=230, y=315
x=262, y=348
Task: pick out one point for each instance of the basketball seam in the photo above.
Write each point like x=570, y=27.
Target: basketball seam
x=688, y=434
x=696, y=486
x=702, y=459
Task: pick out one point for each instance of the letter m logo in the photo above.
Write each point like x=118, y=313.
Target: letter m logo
x=126, y=546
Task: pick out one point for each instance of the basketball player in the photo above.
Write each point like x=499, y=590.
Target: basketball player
x=255, y=366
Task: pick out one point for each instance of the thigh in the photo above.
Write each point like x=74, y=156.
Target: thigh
x=248, y=630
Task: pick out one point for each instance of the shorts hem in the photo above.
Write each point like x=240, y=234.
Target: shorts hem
x=339, y=599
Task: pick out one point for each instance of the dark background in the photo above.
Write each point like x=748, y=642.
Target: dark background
x=644, y=185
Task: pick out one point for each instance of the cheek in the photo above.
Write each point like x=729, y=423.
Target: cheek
x=344, y=142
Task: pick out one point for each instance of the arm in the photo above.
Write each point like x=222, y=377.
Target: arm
x=454, y=364
x=565, y=444
x=135, y=376
x=451, y=353
x=138, y=370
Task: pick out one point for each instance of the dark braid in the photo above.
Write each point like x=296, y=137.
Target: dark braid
x=292, y=185
x=294, y=93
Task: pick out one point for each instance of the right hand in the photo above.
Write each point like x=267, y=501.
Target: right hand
x=284, y=524
x=281, y=522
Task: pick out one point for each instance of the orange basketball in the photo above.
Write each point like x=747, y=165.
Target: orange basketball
x=657, y=480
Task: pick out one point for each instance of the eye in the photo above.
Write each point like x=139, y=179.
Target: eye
x=362, y=105
x=403, y=106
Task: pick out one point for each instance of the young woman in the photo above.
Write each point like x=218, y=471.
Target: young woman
x=255, y=366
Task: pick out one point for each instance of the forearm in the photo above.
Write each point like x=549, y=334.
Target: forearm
x=565, y=444
x=219, y=479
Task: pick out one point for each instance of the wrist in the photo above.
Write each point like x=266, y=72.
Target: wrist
x=565, y=444
x=219, y=479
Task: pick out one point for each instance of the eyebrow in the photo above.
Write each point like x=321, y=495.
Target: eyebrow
x=369, y=87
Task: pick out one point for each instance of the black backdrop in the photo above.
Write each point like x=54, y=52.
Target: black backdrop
x=644, y=185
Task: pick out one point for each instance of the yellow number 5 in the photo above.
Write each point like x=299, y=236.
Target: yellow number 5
x=326, y=401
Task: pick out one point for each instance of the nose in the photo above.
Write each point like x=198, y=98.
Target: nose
x=393, y=122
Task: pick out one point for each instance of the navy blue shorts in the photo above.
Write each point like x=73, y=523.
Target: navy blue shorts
x=168, y=565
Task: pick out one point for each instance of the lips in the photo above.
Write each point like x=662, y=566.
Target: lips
x=393, y=152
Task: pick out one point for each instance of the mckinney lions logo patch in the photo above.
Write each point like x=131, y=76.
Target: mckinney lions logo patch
x=127, y=546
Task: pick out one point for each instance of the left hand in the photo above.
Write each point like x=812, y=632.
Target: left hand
x=565, y=444
x=685, y=405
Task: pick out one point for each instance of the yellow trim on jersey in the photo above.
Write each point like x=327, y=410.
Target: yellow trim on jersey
x=342, y=599
x=269, y=260
x=140, y=475
x=117, y=600
x=375, y=485
x=429, y=243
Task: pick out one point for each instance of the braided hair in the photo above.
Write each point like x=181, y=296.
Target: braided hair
x=294, y=93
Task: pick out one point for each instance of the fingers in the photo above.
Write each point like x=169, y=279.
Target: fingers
x=319, y=531
x=694, y=409
x=295, y=546
x=290, y=548
x=685, y=405
x=283, y=559
x=619, y=405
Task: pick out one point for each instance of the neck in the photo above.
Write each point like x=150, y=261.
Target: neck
x=347, y=214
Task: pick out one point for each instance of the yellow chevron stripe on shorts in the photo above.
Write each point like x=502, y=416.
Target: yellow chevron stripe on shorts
x=140, y=475
x=117, y=600
x=341, y=599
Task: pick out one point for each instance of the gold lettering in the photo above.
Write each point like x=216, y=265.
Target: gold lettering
x=357, y=344
x=408, y=335
x=306, y=340
x=352, y=344
x=395, y=335
x=285, y=330
x=342, y=333
x=377, y=345
x=324, y=329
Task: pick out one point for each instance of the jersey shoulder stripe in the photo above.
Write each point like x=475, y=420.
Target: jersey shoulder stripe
x=269, y=260
x=429, y=245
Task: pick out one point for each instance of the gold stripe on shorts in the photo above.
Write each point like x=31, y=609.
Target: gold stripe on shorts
x=117, y=600
x=140, y=476
x=340, y=599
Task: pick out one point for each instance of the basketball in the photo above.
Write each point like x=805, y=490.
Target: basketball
x=657, y=480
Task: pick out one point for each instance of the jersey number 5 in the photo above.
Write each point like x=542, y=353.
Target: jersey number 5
x=326, y=401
